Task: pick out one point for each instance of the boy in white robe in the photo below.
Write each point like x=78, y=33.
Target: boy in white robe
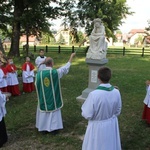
x=146, y=110
x=12, y=79
x=40, y=61
x=3, y=76
x=51, y=121
x=3, y=132
x=28, y=76
x=101, y=109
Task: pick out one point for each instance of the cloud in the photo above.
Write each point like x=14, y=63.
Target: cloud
x=139, y=19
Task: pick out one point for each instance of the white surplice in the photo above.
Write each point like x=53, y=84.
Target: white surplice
x=12, y=78
x=101, y=109
x=147, y=97
x=50, y=121
x=2, y=105
x=38, y=62
x=3, y=81
x=28, y=75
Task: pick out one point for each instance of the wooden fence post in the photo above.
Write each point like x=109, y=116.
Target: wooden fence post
x=59, y=49
x=142, y=51
x=72, y=49
x=124, y=51
x=46, y=48
x=34, y=48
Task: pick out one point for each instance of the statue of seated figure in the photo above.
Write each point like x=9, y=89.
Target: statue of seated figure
x=98, y=44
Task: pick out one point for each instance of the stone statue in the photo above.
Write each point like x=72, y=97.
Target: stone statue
x=98, y=44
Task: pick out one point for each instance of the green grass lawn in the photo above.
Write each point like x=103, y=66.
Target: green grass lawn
x=129, y=74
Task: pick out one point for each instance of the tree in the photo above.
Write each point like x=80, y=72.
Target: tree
x=80, y=37
x=148, y=28
x=27, y=17
x=110, y=11
x=61, y=39
x=138, y=41
x=73, y=35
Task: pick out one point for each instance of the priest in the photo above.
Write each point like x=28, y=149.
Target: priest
x=47, y=83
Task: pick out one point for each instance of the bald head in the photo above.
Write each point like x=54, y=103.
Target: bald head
x=49, y=62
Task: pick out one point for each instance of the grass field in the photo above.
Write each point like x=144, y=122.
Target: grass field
x=129, y=74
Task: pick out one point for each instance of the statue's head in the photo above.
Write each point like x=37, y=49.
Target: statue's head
x=97, y=20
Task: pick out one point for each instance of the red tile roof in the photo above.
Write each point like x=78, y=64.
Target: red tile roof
x=23, y=38
x=133, y=31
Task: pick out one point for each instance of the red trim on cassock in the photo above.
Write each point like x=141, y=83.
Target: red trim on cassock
x=146, y=114
x=28, y=87
x=14, y=90
x=11, y=68
x=24, y=66
x=4, y=89
x=4, y=70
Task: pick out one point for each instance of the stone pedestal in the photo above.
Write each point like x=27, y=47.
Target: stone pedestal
x=93, y=82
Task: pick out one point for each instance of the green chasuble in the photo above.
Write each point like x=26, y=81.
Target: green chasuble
x=48, y=90
x=105, y=88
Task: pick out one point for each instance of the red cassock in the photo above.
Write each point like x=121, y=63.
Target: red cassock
x=146, y=110
x=28, y=77
x=12, y=80
x=146, y=114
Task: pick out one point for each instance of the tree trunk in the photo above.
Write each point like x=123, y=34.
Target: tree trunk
x=1, y=46
x=14, y=49
x=18, y=10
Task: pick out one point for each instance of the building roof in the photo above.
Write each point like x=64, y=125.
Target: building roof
x=23, y=38
x=133, y=31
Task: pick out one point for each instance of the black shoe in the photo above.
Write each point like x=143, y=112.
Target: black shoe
x=1, y=146
x=54, y=132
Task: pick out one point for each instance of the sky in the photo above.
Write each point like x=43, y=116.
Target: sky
x=136, y=21
x=139, y=19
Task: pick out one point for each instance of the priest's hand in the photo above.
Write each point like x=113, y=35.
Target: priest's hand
x=71, y=57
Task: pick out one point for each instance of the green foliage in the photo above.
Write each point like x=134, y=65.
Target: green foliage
x=61, y=39
x=80, y=37
x=27, y=17
x=110, y=11
x=139, y=39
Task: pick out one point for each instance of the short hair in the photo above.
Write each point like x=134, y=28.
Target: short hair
x=41, y=50
x=9, y=58
x=104, y=74
x=48, y=61
x=28, y=58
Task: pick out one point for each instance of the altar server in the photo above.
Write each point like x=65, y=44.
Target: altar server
x=40, y=60
x=3, y=76
x=3, y=132
x=146, y=110
x=12, y=79
x=101, y=109
x=28, y=76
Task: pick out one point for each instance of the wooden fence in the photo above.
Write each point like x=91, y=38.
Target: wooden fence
x=130, y=51
x=122, y=51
